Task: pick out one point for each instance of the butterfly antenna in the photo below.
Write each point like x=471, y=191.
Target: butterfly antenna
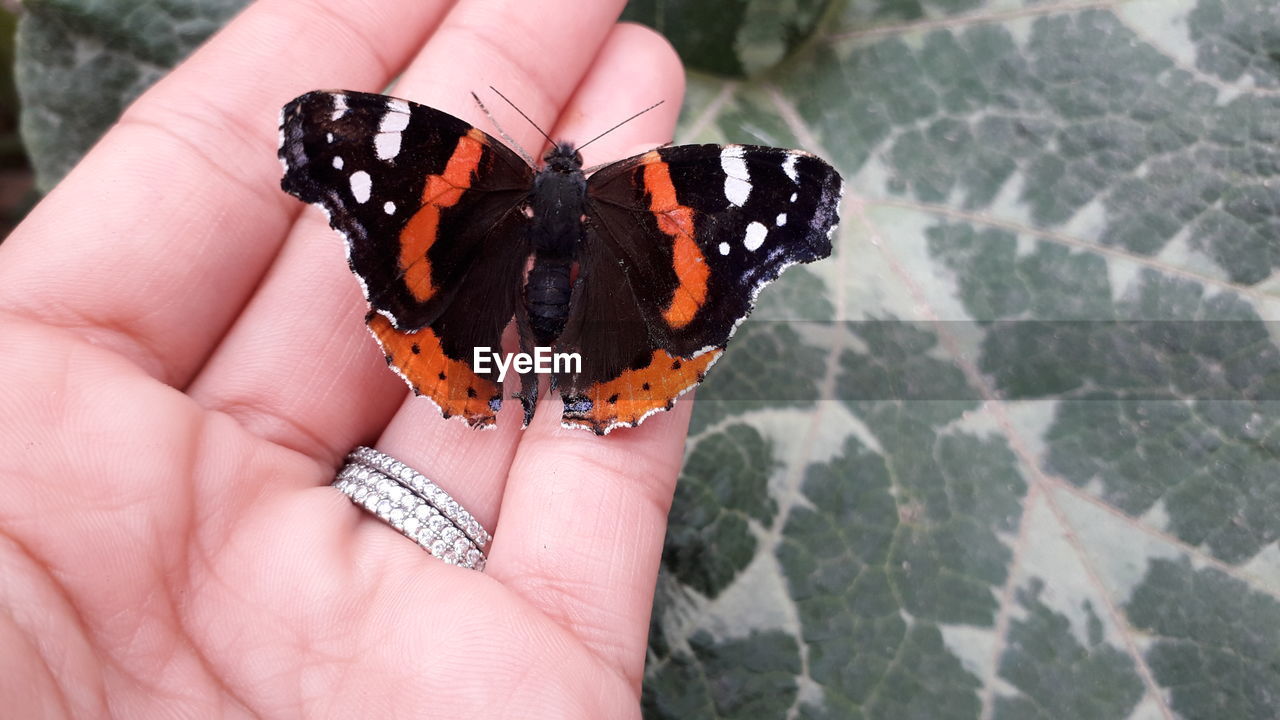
x=510, y=140
x=624, y=122
x=526, y=117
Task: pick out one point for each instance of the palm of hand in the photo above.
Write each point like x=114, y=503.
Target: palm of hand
x=168, y=539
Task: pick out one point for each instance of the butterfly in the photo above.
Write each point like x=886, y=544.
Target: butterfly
x=641, y=270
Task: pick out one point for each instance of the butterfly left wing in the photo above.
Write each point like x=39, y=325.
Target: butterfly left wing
x=432, y=212
x=679, y=243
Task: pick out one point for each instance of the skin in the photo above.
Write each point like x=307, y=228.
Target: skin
x=184, y=366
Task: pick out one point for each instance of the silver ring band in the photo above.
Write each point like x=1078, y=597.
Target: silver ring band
x=385, y=496
x=423, y=488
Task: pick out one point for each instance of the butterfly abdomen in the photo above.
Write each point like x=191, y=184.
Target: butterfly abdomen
x=547, y=295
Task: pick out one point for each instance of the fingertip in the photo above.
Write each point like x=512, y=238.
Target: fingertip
x=635, y=68
x=665, y=62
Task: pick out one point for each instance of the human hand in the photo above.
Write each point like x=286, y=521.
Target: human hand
x=183, y=366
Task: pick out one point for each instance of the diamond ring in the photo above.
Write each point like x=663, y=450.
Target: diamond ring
x=421, y=510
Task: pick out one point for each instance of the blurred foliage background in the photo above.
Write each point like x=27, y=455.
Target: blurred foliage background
x=16, y=193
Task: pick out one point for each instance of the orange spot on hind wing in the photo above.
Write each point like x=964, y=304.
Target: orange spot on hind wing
x=454, y=387
x=637, y=393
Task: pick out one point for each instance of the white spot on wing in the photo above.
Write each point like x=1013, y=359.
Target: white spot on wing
x=394, y=121
x=361, y=186
x=794, y=196
x=737, y=181
x=724, y=248
x=755, y=236
x=284, y=162
x=782, y=220
x=789, y=167
x=737, y=190
x=337, y=162
x=339, y=106
x=389, y=208
x=397, y=117
x=328, y=137
x=387, y=145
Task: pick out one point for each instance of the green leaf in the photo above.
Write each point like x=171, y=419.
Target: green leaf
x=1013, y=451
x=746, y=678
x=81, y=62
x=730, y=37
x=1049, y=664
x=1217, y=641
x=854, y=557
x=724, y=491
x=868, y=13
x=1048, y=389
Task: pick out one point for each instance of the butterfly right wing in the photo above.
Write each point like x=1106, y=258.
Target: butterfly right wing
x=432, y=212
x=680, y=240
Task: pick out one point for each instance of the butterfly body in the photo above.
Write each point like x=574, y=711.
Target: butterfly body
x=643, y=269
x=556, y=204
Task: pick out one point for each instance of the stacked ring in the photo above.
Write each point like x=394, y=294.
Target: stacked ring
x=423, y=488
x=416, y=507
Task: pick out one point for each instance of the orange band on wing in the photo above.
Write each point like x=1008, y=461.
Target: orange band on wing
x=676, y=220
x=635, y=393
x=441, y=191
x=421, y=361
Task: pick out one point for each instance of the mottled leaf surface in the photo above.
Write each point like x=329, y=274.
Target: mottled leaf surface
x=1013, y=451
x=731, y=37
x=1027, y=464
x=81, y=62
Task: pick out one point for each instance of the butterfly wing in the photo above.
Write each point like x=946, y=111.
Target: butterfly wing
x=680, y=241
x=432, y=212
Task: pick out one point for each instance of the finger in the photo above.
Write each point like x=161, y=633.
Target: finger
x=154, y=242
x=583, y=517
x=306, y=373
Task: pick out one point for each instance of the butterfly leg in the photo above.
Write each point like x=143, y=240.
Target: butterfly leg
x=528, y=395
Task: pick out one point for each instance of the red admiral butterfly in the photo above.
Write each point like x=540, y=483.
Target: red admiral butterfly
x=670, y=249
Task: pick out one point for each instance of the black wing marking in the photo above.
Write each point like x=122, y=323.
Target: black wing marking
x=396, y=176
